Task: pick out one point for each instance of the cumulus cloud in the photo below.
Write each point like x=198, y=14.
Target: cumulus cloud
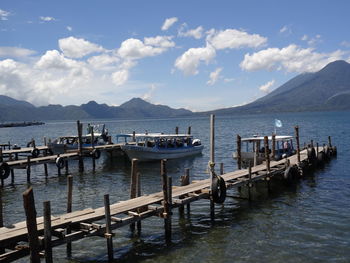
x=233, y=38
x=47, y=18
x=4, y=14
x=103, y=61
x=291, y=59
x=168, y=23
x=266, y=87
x=77, y=47
x=53, y=59
x=69, y=28
x=133, y=48
x=15, y=52
x=214, y=76
x=160, y=41
x=195, y=33
x=189, y=61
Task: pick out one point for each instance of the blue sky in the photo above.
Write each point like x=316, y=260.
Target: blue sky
x=199, y=55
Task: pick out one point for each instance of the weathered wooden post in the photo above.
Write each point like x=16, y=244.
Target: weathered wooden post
x=80, y=146
x=133, y=136
x=1, y=158
x=296, y=128
x=28, y=169
x=93, y=147
x=45, y=154
x=12, y=177
x=29, y=208
x=329, y=141
x=69, y=210
x=166, y=202
x=312, y=143
x=47, y=232
x=212, y=160
x=239, y=154
x=66, y=166
x=250, y=181
x=1, y=212
x=108, y=234
x=267, y=155
x=138, y=191
x=185, y=180
x=316, y=148
x=273, y=151
x=221, y=168
x=133, y=185
x=176, y=130
x=189, y=130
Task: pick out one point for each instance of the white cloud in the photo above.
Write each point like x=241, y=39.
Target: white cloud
x=47, y=18
x=189, y=61
x=214, y=76
x=345, y=43
x=4, y=14
x=283, y=29
x=232, y=38
x=266, y=87
x=168, y=23
x=53, y=59
x=103, y=61
x=227, y=80
x=120, y=77
x=133, y=48
x=195, y=33
x=77, y=47
x=291, y=59
x=304, y=37
x=159, y=41
x=15, y=52
x=69, y=28
x=286, y=30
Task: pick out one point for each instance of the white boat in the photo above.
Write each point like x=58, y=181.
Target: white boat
x=158, y=146
x=66, y=143
x=253, y=151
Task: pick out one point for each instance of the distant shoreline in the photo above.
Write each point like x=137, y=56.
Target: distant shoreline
x=20, y=124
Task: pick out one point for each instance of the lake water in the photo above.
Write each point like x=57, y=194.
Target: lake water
x=308, y=222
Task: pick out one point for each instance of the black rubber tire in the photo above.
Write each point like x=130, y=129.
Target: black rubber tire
x=96, y=153
x=321, y=158
x=35, y=152
x=4, y=171
x=218, y=189
x=291, y=174
x=59, y=162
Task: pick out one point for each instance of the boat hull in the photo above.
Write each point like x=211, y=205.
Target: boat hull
x=153, y=154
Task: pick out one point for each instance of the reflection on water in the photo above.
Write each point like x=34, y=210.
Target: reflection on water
x=307, y=222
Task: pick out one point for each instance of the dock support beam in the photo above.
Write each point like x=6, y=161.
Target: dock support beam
x=69, y=210
x=212, y=160
x=273, y=150
x=29, y=208
x=296, y=128
x=267, y=155
x=135, y=190
x=185, y=180
x=80, y=146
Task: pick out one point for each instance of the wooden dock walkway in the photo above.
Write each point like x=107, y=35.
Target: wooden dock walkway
x=87, y=222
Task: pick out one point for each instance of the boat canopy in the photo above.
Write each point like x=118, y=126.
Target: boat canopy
x=261, y=138
x=154, y=135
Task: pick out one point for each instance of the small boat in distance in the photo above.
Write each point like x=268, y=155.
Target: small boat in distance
x=157, y=146
x=66, y=143
x=253, y=150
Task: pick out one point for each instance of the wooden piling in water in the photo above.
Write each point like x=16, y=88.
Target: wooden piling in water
x=166, y=182
x=296, y=128
x=69, y=210
x=239, y=155
x=189, y=130
x=29, y=208
x=212, y=160
x=80, y=146
x=267, y=154
x=93, y=147
x=273, y=150
x=1, y=211
x=1, y=158
x=28, y=169
x=250, y=184
x=185, y=180
x=108, y=233
x=176, y=130
x=329, y=141
x=133, y=185
x=47, y=232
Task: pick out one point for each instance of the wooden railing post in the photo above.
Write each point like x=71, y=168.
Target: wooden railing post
x=133, y=185
x=166, y=202
x=80, y=146
x=273, y=150
x=267, y=155
x=29, y=208
x=212, y=160
x=69, y=210
x=189, y=130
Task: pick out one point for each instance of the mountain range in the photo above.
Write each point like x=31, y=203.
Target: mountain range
x=327, y=89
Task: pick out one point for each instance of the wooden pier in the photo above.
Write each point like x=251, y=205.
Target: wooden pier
x=38, y=235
